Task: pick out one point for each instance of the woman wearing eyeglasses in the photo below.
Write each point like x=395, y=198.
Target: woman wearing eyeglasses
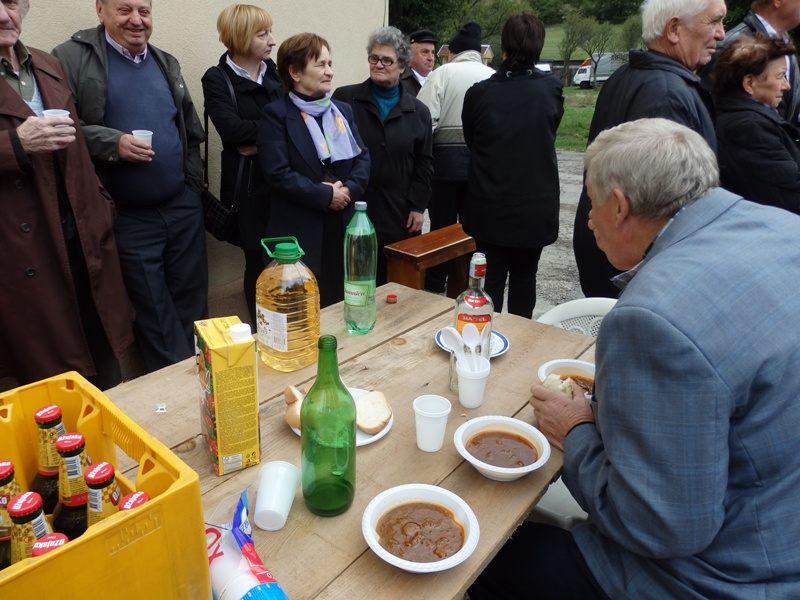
x=314, y=161
x=396, y=128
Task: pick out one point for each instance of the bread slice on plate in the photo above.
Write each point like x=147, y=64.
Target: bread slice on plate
x=294, y=402
x=372, y=412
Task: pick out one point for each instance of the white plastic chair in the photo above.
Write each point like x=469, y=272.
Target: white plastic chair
x=583, y=315
x=557, y=506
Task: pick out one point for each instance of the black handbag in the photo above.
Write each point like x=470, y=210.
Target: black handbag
x=221, y=216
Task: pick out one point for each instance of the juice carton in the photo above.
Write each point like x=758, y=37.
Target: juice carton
x=228, y=375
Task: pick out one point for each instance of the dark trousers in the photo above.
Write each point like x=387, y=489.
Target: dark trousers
x=519, y=265
x=162, y=251
x=594, y=270
x=539, y=561
x=447, y=200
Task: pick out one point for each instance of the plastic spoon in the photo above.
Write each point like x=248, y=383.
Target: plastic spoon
x=472, y=339
x=453, y=342
x=486, y=334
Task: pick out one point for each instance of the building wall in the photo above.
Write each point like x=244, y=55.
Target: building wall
x=187, y=29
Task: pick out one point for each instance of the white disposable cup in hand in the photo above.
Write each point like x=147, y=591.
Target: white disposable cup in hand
x=471, y=384
x=144, y=135
x=431, y=418
x=56, y=112
x=277, y=485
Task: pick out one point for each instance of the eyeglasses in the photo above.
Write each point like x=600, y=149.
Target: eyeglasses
x=384, y=60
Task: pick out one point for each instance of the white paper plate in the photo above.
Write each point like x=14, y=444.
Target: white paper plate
x=498, y=345
x=363, y=438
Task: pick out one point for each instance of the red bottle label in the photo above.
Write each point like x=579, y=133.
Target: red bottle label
x=475, y=301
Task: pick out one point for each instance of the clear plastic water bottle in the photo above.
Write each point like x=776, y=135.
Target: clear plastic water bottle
x=360, y=267
x=287, y=309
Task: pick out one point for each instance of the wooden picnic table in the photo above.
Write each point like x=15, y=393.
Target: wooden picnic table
x=317, y=557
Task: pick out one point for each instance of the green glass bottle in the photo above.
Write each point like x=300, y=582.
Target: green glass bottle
x=328, y=426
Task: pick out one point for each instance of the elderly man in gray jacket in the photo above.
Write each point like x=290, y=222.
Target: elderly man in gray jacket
x=120, y=84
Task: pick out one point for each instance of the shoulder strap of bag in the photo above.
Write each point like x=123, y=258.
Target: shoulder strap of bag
x=205, y=153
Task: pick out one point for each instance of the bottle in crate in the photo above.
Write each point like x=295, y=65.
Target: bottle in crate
x=28, y=524
x=287, y=308
x=50, y=428
x=328, y=438
x=70, y=516
x=360, y=268
x=9, y=487
x=103, y=492
x=474, y=306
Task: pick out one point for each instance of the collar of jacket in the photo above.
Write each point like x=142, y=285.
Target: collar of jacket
x=363, y=93
x=652, y=59
x=466, y=56
x=742, y=102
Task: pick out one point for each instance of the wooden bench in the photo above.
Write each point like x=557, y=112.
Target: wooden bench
x=407, y=260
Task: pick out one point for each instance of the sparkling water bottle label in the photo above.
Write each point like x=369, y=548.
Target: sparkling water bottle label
x=357, y=293
x=273, y=330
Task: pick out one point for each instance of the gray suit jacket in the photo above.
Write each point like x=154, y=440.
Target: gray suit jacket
x=691, y=471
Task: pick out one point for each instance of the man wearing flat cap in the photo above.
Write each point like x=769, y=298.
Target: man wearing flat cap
x=443, y=94
x=423, y=54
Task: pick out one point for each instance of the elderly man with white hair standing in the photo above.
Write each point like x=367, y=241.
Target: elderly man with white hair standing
x=680, y=35
x=686, y=456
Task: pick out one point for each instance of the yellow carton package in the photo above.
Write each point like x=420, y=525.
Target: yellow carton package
x=228, y=373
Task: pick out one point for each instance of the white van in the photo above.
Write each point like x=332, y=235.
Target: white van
x=606, y=65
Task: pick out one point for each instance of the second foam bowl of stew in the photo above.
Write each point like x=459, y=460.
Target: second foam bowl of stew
x=502, y=448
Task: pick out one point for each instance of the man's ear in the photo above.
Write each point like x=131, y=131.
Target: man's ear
x=622, y=206
x=672, y=30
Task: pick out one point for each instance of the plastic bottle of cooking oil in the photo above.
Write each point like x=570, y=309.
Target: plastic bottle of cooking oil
x=287, y=308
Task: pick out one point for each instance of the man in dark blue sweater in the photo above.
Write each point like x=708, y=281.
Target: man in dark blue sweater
x=121, y=83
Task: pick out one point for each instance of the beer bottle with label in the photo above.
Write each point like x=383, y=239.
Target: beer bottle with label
x=28, y=524
x=9, y=487
x=45, y=483
x=70, y=516
x=103, y=492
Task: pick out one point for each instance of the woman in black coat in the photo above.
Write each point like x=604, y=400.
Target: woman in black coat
x=246, y=31
x=314, y=161
x=396, y=127
x=510, y=122
x=758, y=151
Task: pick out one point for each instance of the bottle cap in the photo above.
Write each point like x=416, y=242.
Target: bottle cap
x=391, y=298
x=99, y=473
x=361, y=205
x=69, y=442
x=240, y=332
x=47, y=414
x=49, y=542
x=133, y=500
x=6, y=469
x=24, y=504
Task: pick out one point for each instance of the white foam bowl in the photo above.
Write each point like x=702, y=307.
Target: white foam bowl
x=578, y=366
x=507, y=424
x=420, y=492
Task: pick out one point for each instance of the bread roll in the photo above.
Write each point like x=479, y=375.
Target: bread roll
x=372, y=412
x=294, y=402
x=555, y=383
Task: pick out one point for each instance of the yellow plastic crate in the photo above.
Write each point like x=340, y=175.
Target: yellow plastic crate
x=156, y=551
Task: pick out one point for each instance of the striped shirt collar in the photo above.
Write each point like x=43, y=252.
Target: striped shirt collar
x=124, y=51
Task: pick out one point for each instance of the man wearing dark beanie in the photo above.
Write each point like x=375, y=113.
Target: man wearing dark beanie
x=443, y=94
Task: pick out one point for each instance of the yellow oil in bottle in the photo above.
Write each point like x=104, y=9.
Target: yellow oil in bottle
x=287, y=309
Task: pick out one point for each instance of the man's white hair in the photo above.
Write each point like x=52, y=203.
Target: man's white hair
x=24, y=5
x=660, y=166
x=656, y=13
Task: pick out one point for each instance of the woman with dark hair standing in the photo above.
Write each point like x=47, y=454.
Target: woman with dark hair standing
x=397, y=130
x=510, y=122
x=247, y=69
x=758, y=151
x=314, y=161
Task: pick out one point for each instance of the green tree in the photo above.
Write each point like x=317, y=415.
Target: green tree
x=599, y=39
x=549, y=11
x=576, y=29
x=630, y=34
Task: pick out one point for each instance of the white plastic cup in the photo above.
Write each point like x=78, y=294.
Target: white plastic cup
x=144, y=135
x=431, y=418
x=277, y=486
x=471, y=384
x=55, y=112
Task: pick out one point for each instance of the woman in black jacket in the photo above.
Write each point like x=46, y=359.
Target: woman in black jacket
x=247, y=70
x=510, y=122
x=758, y=151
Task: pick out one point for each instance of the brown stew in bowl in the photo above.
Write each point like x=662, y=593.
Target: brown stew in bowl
x=502, y=449
x=420, y=532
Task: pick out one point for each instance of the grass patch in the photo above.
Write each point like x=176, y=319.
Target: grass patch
x=578, y=111
x=553, y=36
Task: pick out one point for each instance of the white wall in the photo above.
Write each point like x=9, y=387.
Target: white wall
x=187, y=29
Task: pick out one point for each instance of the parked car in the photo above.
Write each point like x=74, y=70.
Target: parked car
x=606, y=65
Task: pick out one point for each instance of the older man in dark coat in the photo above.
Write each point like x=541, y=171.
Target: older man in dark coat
x=63, y=304
x=657, y=82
